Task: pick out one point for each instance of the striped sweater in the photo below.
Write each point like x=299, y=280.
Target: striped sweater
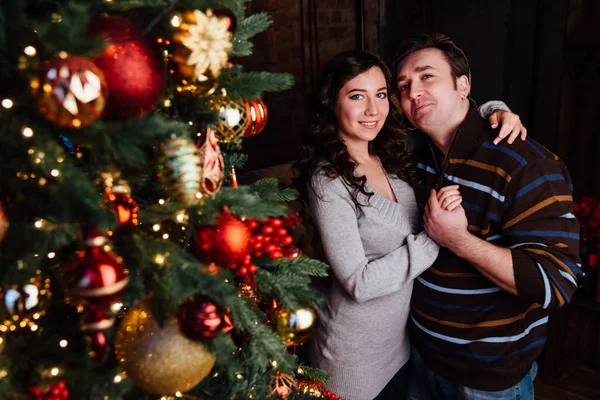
x=516, y=196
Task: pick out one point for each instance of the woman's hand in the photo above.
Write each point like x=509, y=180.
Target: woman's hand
x=449, y=197
x=511, y=126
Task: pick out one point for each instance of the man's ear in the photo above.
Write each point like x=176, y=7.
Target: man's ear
x=463, y=85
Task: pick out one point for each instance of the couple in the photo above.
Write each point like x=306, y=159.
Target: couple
x=492, y=261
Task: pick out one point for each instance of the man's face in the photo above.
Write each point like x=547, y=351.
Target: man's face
x=430, y=96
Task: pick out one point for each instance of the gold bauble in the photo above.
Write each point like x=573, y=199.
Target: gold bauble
x=180, y=169
x=295, y=326
x=313, y=387
x=158, y=359
x=232, y=117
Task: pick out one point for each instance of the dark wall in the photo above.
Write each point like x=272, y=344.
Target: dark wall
x=542, y=57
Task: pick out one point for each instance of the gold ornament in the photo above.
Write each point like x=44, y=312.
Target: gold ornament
x=3, y=223
x=313, y=387
x=202, y=45
x=70, y=91
x=233, y=117
x=180, y=169
x=158, y=359
x=296, y=325
x=23, y=304
x=213, y=166
x=282, y=385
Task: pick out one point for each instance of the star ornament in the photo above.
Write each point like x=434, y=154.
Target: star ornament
x=209, y=41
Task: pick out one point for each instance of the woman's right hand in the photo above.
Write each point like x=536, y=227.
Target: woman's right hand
x=449, y=197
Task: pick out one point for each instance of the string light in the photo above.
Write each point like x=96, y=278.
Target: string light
x=165, y=236
x=161, y=201
x=27, y=132
x=159, y=259
x=38, y=224
x=55, y=173
x=156, y=227
x=51, y=255
x=176, y=21
x=116, y=307
x=7, y=103
x=30, y=51
x=54, y=371
x=63, y=343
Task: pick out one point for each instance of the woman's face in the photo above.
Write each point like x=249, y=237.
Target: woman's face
x=362, y=107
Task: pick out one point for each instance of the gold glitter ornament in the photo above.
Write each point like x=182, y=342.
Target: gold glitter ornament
x=180, y=169
x=295, y=326
x=159, y=360
x=232, y=116
x=202, y=44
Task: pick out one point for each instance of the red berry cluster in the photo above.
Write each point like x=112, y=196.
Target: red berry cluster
x=331, y=396
x=271, y=237
x=58, y=391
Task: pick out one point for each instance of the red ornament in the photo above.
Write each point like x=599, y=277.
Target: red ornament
x=272, y=237
x=226, y=13
x=133, y=67
x=125, y=208
x=58, y=391
x=70, y=91
x=199, y=318
x=225, y=243
x=258, y=117
x=94, y=281
x=97, y=276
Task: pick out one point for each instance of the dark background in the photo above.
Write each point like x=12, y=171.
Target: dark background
x=542, y=57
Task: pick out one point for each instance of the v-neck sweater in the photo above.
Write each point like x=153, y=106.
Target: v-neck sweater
x=375, y=253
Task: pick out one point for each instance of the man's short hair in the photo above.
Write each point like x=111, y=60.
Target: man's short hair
x=459, y=64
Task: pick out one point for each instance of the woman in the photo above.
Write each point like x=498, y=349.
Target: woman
x=360, y=174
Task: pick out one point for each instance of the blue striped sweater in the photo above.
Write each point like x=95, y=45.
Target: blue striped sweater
x=516, y=196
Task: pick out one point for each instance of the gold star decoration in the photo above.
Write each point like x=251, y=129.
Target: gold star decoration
x=210, y=42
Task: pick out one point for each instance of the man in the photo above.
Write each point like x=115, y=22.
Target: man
x=479, y=314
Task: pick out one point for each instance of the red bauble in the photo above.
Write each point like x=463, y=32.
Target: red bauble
x=133, y=67
x=199, y=318
x=71, y=91
x=97, y=276
x=225, y=243
x=258, y=117
x=226, y=13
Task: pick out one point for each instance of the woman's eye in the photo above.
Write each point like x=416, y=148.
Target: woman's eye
x=356, y=97
x=382, y=95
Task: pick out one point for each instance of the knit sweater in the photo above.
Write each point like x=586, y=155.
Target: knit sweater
x=374, y=253
x=516, y=196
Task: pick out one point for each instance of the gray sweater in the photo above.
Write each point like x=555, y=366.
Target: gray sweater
x=374, y=257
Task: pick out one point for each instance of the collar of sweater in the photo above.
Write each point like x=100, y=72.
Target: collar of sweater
x=469, y=136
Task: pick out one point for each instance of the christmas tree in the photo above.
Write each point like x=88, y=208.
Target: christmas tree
x=133, y=265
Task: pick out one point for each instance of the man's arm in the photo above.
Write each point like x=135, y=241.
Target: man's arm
x=540, y=263
x=449, y=229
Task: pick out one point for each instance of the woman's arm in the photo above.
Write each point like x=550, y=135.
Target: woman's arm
x=335, y=217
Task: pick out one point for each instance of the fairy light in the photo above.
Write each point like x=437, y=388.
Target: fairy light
x=178, y=394
x=198, y=195
x=42, y=181
x=168, y=103
x=156, y=227
x=7, y=103
x=38, y=224
x=63, y=343
x=240, y=376
x=27, y=132
x=54, y=371
x=60, y=159
x=30, y=51
x=176, y=21
x=180, y=217
x=36, y=315
x=3, y=373
x=165, y=236
x=55, y=173
x=159, y=259
x=63, y=55
x=117, y=379
x=51, y=255
x=274, y=364
x=34, y=328
x=116, y=307
x=161, y=201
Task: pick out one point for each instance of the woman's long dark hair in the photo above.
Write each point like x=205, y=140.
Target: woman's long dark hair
x=324, y=151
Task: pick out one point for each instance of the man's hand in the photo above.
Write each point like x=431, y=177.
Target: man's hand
x=447, y=228
x=510, y=124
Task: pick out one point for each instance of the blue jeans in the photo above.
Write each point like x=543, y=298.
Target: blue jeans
x=427, y=385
